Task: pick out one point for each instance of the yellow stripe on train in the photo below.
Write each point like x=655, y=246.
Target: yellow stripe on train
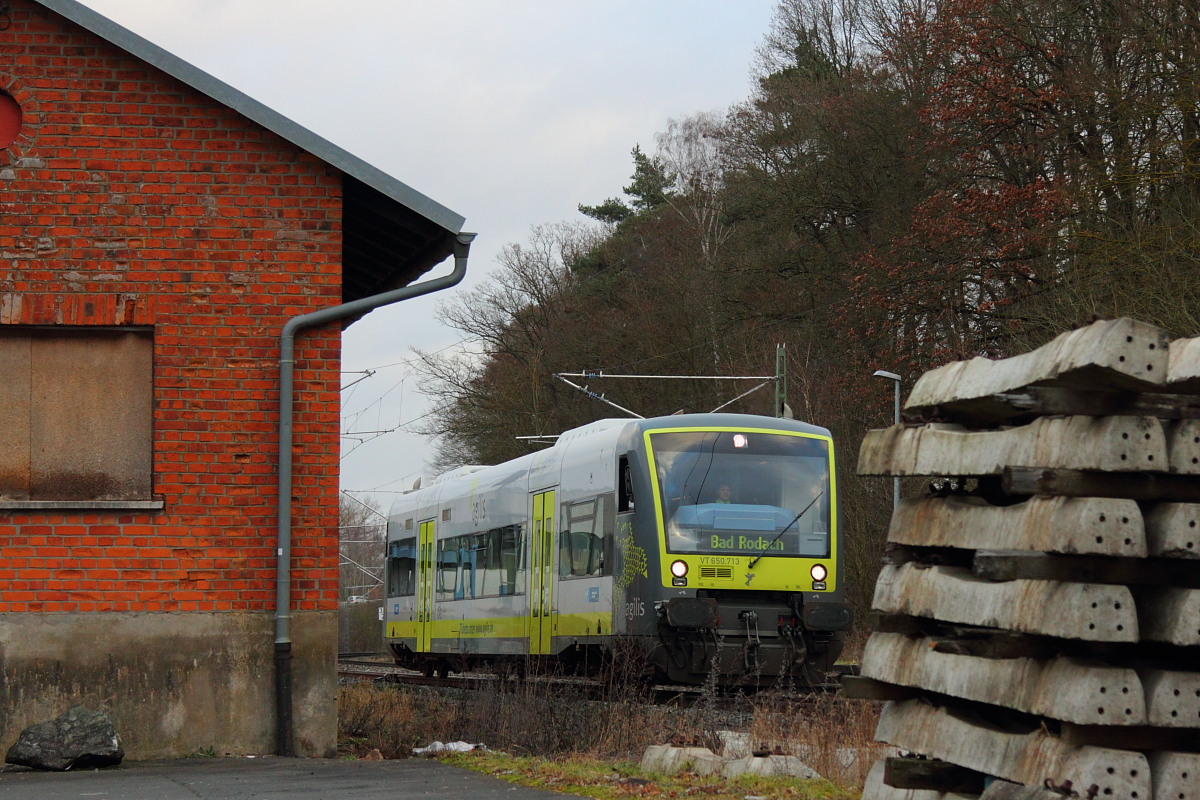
x=591, y=623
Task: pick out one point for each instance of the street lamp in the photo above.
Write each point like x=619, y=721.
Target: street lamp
x=891, y=376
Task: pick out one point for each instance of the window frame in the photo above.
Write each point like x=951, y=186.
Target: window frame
x=489, y=562
x=148, y=502
x=603, y=514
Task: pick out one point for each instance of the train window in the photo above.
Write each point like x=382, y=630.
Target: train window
x=402, y=568
x=625, y=487
x=582, y=539
x=755, y=494
x=485, y=564
x=447, y=569
x=512, y=560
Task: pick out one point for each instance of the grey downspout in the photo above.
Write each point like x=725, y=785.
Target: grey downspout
x=283, y=569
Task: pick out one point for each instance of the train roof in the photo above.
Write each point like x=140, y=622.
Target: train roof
x=607, y=432
x=653, y=423
x=729, y=421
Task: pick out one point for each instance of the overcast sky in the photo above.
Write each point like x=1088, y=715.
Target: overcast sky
x=510, y=113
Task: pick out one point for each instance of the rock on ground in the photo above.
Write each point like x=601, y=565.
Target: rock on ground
x=76, y=739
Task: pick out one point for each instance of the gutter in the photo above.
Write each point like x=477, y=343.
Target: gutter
x=283, y=584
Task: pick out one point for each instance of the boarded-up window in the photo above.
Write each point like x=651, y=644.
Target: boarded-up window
x=76, y=414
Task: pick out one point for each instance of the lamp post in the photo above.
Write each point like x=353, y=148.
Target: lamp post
x=891, y=376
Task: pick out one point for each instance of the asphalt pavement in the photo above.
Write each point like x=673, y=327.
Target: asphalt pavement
x=258, y=778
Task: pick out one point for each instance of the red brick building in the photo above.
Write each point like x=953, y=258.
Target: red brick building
x=157, y=230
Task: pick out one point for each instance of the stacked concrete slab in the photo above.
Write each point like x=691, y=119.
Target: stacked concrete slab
x=1037, y=623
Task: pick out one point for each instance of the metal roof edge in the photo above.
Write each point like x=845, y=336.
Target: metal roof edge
x=270, y=119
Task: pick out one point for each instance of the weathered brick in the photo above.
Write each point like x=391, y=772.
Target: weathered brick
x=143, y=202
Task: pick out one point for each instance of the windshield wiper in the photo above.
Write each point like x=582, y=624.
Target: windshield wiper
x=785, y=530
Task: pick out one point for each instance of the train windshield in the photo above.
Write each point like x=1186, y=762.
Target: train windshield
x=725, y=492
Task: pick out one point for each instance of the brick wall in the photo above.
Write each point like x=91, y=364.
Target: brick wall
x=131, y=199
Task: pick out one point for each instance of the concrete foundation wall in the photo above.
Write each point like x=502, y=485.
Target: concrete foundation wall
x=173, y=682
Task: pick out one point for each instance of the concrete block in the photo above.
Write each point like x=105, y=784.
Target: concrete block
x=1083, y=692
x=1108, y=444
x=769, y=766
x=734, y=744
x=669, y=760
x=1092, y=525
x=1183, y=375
x=652, y=759
x=876, y=789
x=1091, y=612
x=708, y=765
x=1114, y=354
x=964, y=739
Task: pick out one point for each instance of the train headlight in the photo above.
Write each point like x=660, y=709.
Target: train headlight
x=679, y=568
x=818, y=572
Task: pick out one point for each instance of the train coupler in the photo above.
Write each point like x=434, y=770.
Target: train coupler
x=750, y=658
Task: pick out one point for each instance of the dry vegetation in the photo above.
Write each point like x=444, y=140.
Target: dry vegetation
x=557, y=723
x=832, y=735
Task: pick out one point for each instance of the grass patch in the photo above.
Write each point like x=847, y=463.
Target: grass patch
x=588, y=776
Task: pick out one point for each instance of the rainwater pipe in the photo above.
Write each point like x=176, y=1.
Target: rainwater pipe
x=283, y=584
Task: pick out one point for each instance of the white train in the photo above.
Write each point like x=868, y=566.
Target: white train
x=710, y=540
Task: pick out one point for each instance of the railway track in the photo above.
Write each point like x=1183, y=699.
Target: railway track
x=365, y=669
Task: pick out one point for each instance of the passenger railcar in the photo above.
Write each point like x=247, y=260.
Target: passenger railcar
x=710, y=540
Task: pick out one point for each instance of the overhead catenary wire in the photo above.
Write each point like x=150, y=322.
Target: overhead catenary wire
x=366, y=571
x=562, y=376
x=599, y=397
x=388, y=483
x=353, y=417
x=366, y=373
x=740, y=396
x=405, y=362
x=409, y=361
x=401, y=426
x=373, y=510
x=376, y=402
x=602, y=374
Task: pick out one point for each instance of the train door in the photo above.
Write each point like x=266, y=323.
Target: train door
x=541, y=588
x=425, y=587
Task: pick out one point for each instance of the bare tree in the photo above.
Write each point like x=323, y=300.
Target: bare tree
x=362, y=534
